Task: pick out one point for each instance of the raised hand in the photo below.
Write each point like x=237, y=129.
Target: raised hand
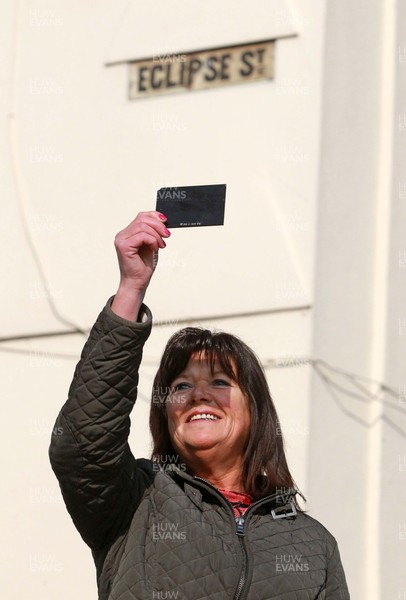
x=137, y=249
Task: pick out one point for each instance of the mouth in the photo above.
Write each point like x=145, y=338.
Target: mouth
x=202, y=416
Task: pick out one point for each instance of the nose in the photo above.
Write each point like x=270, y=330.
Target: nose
x=199, y=393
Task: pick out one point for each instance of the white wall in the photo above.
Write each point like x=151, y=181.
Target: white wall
x=356, y=442
x=295, y=271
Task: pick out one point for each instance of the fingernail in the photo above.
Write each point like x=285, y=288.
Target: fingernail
x=167, y=231
x=162, y=217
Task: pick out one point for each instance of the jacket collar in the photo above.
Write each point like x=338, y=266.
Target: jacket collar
x=280, y=503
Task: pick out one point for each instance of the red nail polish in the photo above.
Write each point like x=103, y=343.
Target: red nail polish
x=167, y=231
x=162, y=217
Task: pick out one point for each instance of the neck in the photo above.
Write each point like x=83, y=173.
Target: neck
x=226, y=477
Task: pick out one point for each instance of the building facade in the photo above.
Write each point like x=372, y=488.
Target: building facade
x=308, y=132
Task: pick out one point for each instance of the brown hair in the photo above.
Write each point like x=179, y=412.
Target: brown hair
x=265, y=469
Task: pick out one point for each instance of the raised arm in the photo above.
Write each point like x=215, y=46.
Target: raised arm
x=98, y=475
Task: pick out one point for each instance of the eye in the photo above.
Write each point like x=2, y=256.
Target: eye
x=221, y=382
x=182, y=385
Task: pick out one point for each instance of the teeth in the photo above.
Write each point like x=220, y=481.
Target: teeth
x=204, y=416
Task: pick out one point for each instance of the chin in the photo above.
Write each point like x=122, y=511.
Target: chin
x=202, y=442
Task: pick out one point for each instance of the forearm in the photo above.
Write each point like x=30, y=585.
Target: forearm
x=91, y=457
x=104, y=388
x=110, y=334
x=127, y=303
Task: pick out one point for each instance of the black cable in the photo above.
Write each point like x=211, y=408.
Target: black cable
x=351, y=415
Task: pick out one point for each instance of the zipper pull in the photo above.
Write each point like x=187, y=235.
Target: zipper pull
x=240, y=525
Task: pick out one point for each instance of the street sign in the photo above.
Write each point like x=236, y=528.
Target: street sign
x=204, y=69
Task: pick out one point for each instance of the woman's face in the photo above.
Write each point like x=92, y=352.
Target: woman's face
x=197, y=392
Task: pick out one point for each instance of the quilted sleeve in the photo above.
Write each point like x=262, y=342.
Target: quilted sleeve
x=336, y=585
x=89, y=452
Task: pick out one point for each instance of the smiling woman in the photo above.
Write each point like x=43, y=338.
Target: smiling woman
x=212, y=515
x=203, y=371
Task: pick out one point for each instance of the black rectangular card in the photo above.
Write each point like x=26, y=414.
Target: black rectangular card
x=192, y=206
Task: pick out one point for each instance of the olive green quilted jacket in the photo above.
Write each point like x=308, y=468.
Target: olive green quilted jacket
x=157, y=533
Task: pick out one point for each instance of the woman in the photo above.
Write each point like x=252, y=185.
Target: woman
x=213, y=515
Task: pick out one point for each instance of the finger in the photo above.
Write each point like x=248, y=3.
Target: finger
x=149, y=218
x=160, y=216
x=152, y=229
x=133, y=244
x=136, y=243
x=153, y=213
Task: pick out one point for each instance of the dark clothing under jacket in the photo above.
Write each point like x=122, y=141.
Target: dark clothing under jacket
x=157, y=533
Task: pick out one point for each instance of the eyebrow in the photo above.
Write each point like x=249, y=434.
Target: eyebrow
x=215, y=372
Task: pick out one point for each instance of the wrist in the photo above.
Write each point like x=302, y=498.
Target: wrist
x=131, y=287
x=127, y=302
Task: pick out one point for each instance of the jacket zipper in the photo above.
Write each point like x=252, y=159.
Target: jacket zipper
x=241, y=533
x=243, y=574
x=240, y=530
x=239, y=523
